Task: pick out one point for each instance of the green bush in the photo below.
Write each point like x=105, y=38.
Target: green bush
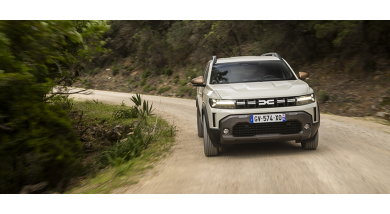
x=183, y=82
x=131, y=148
x=180, y=94
x=192, y=73
x=125, y=113
x=86, y=83
x=145, y=74
x=143, y=82
x=130, y=68
x=183, y=90
x=93, y=72
x=64, y=102
x=168, y=71
x=141, y=109
x=148, y=88
x=176, y=79
x=122, y=152
x=130, y=81
x=323, y=96
x=114, y=70
x=163, y=89
x=37, y=138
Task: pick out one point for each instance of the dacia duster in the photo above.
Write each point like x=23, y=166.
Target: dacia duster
x=253, y=99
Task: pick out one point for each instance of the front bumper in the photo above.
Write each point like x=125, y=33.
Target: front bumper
x=218, y=138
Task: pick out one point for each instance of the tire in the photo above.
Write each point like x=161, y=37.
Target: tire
x=311, y=145
x=199, y=121
x=209, y=148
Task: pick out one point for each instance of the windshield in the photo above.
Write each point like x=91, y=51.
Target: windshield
x=261, y=71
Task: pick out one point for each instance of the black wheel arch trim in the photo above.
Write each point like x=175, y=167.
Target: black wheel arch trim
x=214, y=134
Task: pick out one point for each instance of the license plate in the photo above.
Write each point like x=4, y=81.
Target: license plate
x=267, y=118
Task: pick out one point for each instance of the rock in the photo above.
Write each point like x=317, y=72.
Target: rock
x=123, y=140
x=117, y=128
x=109, y=77
x=373, y=106
x=106, y=143
x=380, y=114
x=98, y=133
x=108, y=69
x=113, y=135
x=87, y=146
x=33, y=189
x=383, y=115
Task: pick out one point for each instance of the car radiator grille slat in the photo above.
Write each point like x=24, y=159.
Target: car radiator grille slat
x=263, y=102
x=252, y=129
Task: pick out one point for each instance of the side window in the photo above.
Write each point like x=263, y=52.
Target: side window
x=206, y=72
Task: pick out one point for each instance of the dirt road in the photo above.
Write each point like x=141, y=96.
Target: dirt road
x=353, y=156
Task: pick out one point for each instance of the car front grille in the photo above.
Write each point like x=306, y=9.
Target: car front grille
x=252, y=129
x=266, y=102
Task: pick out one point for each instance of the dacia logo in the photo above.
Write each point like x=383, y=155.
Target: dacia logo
x=266, y=102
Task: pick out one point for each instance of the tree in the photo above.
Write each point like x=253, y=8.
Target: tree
x=37, y=140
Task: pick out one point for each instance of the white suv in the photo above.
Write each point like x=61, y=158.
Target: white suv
x=253, y=99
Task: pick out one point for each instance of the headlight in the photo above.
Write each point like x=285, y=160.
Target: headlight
x=307, y=99
x=224, y=104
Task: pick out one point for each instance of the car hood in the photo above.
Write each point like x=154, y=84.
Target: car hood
x=252, y=90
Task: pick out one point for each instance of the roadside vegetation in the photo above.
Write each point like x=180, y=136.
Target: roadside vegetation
x=119, y=143
x=47, y=141
x=39, y=148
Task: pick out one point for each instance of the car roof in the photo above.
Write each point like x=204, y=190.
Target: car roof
x=245, y=59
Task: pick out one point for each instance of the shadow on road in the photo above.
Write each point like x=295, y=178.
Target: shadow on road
x=261, y=149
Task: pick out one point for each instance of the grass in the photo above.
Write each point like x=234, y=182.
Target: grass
x=124, y=167
x=126, y=174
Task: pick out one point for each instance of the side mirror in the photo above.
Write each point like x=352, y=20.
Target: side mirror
x=303, y=75
x=198, y=82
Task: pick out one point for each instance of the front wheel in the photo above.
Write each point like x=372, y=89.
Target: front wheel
x=311, y=145
x=209, y=148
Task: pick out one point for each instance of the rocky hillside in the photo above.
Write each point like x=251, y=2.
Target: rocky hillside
x=338, y=92
x=347, y=60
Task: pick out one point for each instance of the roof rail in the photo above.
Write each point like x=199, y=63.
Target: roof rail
x=273, y=54
x=214, y=60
